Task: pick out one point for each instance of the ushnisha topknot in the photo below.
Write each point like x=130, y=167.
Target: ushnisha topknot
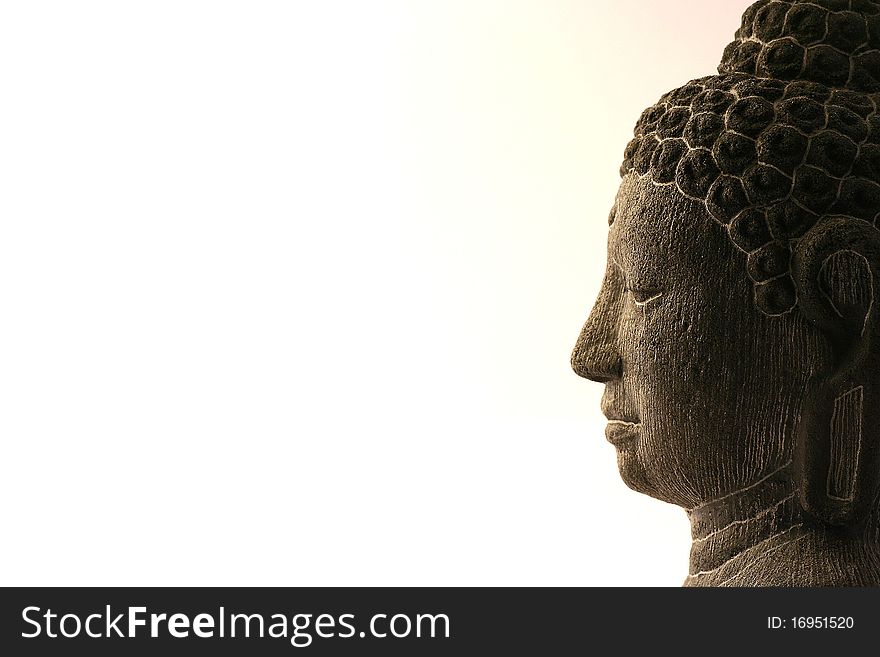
x=788, y=132
x=832, y=42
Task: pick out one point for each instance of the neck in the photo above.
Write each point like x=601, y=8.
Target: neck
x=725, y=528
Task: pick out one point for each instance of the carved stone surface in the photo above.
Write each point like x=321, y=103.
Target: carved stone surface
x=737, y=330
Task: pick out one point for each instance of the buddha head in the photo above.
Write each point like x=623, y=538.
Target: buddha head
x=736, y=330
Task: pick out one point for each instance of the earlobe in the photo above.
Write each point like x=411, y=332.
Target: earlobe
x=836, y=268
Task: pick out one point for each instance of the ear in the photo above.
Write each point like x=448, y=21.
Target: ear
x=836, y=267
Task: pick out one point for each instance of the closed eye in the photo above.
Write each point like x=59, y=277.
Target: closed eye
x=644, y=297
x=641, y=296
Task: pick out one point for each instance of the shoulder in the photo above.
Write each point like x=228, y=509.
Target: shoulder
x=802, y=558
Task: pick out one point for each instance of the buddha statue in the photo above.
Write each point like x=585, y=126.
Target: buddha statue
x=736, y=330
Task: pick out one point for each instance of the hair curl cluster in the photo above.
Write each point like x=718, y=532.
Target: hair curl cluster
x=788, y=132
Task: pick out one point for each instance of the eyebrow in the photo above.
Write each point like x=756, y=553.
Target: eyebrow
x=637, y=272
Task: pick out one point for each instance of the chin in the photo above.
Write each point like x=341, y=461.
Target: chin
x=648, y=481
x=633, y=472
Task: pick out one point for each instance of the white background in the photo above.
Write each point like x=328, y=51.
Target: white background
x=289, y=289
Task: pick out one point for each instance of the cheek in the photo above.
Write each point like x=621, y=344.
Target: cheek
x=669, y=352
x=716, y=389
x=676, y=377
x=663, y=380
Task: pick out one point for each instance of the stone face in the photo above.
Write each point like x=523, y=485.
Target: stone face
x=734, y=331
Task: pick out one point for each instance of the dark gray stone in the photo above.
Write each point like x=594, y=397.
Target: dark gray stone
x=737, y=330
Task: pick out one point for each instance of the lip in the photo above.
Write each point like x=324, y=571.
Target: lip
x=622, y=432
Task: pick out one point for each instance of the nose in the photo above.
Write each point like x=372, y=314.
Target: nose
x=596, y=355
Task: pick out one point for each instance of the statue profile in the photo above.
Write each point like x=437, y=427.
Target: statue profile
x=737, y=330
